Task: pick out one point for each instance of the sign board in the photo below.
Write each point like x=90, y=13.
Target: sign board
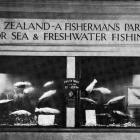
x=69, y=31
x=71, y=83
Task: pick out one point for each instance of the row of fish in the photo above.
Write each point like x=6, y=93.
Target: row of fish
x=92, y=89
x=45, y=110
x=28, y=88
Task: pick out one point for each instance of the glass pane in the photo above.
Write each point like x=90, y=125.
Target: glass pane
x=32, y=91
x=110, y=91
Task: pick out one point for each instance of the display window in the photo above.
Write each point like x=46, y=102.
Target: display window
x=109, y=91
x=32, y=91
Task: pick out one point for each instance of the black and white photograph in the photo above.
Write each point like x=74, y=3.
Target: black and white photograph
x=69, y=70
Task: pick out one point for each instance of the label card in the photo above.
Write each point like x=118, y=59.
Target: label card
x=70, y=118
x=46, y=120
x=90, y=118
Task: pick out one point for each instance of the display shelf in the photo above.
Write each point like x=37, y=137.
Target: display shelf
x=70, y=130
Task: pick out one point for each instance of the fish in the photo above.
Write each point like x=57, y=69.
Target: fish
x=102, y=90
x=47, y=94
x=21, y=112
x=28, y=90
x=120, y=113
x=90, y=87
x=115, y=99
x=22, y=84
x=18, y=84
x=5, y=101
x=49, y=83
x=47, y=110
x=27, y=83
x=88, y=100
